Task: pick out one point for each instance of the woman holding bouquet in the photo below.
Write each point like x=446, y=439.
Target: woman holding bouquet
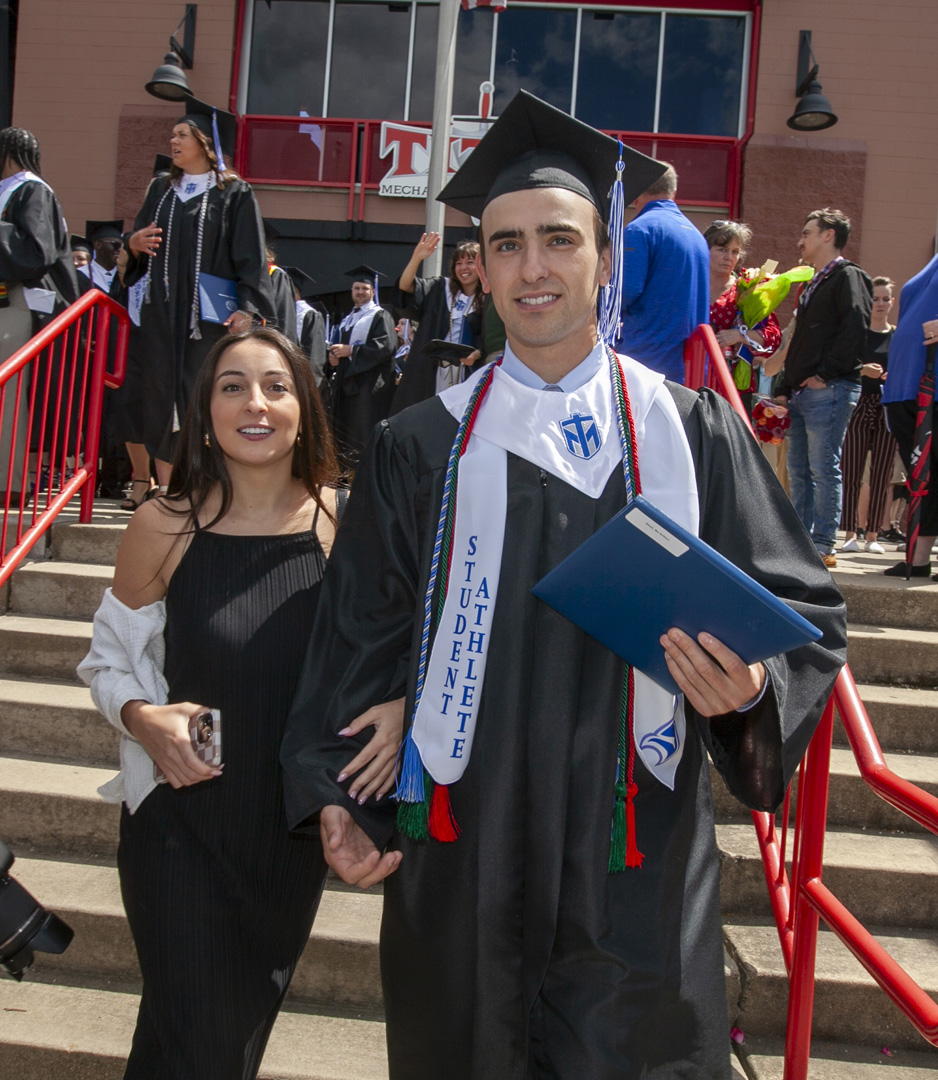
x=744, y=347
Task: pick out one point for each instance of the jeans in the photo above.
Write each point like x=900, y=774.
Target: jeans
x=815, y=441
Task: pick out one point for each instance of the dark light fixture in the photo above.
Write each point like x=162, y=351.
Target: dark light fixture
x=813, y=111
x=169, y=81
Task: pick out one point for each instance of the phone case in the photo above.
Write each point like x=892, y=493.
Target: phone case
x=205, y=735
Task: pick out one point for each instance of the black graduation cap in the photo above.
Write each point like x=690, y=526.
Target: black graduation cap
x=162, y=163
x=364, y=273
x=533, y=145
x=104, y=230
x=302, y=282
x=80, y=243
x=200, y=114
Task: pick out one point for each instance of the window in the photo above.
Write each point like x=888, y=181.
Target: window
x=615, y=68
x=534, y=52
x=618, y=70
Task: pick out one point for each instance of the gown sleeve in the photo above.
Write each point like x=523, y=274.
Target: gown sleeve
x=313, y=342
x=28, y=245
x=746, y=515
x=360, y=643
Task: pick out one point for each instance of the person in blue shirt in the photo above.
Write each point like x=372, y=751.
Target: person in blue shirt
x=666, y=290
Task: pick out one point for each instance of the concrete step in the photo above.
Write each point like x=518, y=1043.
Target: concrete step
x=764, y=1059
x=856, y=864
x=903, y=718
x=877, y=600
x=340, y=966
x=44, y=719
x=95, y=544
x=49, y=807
x=42, y=647
x=56, y=1032
x=852, y=802
x=64, y=590
x=849, y=1007
x=896, y=656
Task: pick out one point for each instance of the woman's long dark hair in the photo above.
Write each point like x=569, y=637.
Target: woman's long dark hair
x=463, y=248
x=198, y=470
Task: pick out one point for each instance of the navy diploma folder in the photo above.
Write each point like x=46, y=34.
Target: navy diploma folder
x=218, y=298
x=642, y=573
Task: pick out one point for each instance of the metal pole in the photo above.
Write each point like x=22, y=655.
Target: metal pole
x=442, y=119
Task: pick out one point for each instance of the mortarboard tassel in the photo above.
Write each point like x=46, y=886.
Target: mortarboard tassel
x=217, y=140
x=610, y=307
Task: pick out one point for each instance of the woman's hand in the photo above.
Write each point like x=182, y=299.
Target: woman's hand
x=426, y=245
x=726, y=338
x=146, y=241
x=239, y=322
x=163, y=731
x=930, y=330
x=376, y=761
x=471, y=358
x=872, y=371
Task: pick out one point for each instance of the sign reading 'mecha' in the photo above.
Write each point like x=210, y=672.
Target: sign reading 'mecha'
x=410, y=150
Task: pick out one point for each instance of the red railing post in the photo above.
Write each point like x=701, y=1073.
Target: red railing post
x=812, y=806
x=95, y=407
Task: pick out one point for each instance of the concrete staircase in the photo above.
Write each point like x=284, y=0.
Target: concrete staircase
x=881, y=864
x=74, y=1015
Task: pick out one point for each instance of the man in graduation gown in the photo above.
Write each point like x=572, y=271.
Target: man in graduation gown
x=310, y=323
x=359, y=381
x=106, y=239
x=509, y=950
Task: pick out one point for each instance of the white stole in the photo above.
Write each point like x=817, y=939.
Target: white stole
x=532, y=424
x=14, y=183
x=359, y=321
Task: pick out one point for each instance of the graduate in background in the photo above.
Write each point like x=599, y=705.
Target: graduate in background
x=106, y=240
x=201, y=219
x=551, y=884
x=282, y=288
x=360, y=368
x=310, y=323
x=82, y=252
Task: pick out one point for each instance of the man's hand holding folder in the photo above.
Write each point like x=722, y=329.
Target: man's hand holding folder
x=713, y=678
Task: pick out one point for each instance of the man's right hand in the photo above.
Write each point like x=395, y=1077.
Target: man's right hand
x=350, y=852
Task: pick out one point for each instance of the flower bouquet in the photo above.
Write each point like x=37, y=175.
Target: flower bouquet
x=770, y=420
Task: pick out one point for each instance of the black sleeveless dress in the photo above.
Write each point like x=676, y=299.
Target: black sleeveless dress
x=219, y=895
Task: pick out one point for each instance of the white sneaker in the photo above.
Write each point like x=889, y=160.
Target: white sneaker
x=851, y=545
x=876, y=547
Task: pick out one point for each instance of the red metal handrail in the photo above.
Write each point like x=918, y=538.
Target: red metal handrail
x=798, y=903
x=57, y=416
x=705, y=365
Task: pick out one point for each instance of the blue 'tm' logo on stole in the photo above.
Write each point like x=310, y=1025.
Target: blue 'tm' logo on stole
x=581, y=435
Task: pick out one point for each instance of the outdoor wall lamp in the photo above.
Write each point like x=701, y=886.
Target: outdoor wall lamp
x=169, y=80
x=813, y=111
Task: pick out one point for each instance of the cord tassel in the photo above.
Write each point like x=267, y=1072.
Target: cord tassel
x=633, y=857
x=617, y=846
x=443, y=825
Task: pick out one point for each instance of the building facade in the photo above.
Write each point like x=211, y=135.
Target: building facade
x=334, y=99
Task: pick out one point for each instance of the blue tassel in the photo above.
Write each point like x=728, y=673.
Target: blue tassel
x=217, y=140
x=410, y=786
x=610, y=305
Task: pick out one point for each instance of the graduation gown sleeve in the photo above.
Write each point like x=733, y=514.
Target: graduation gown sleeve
x=284, y=305
x=746, y=515
x=313, y=341
x=34, y=245
x=361, y=643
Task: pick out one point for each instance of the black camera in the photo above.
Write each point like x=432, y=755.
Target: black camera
x=24, y=923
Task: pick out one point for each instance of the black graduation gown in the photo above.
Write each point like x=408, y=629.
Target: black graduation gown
x=358, y=391
x=284, y=318
x=427, y=304
x=313, y=340
x=233, y=248
x=34, y=245
x=35, y=252
x=512, y=953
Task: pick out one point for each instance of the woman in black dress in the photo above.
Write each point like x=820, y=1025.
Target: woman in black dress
x=198, y=225
x=219, y=895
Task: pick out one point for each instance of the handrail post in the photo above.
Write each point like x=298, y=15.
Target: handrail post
x=93, y=416
x=812, y=805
